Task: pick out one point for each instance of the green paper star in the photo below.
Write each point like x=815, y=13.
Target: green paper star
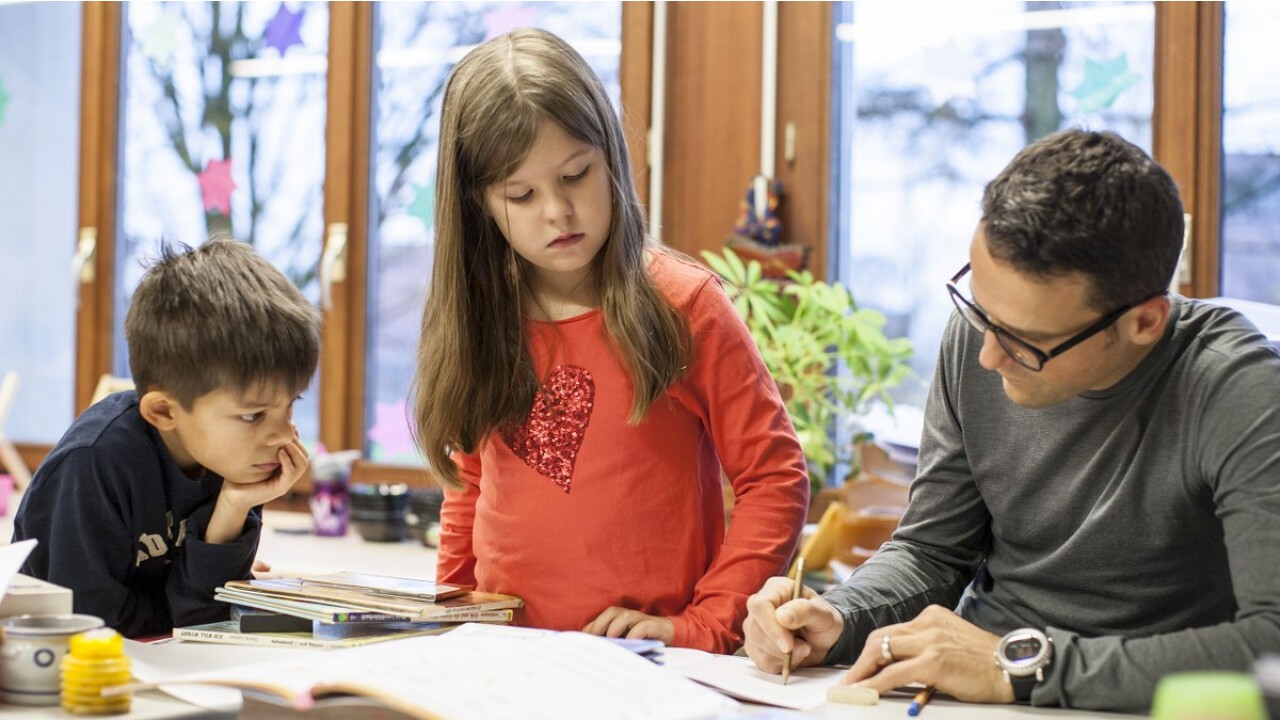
x=1103, y=83
x=160, y=40
x=424, y=203
x=4, y=100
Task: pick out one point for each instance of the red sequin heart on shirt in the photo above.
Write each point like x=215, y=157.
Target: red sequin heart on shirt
x=549, y=439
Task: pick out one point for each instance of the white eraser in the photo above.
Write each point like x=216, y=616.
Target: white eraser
x=852, y=695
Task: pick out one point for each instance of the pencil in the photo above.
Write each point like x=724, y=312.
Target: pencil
x=922, y=698
x=795, y=595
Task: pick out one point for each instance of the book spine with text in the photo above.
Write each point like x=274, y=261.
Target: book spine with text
x=462, y=615
x=261, y=639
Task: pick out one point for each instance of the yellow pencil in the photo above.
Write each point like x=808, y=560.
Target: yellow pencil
x=922, y=698
x=795, y=594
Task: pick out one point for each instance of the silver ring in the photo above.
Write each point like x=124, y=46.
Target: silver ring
x=886, y=654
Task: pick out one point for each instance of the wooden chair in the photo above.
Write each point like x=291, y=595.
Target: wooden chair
x=9, y=457
x=853, y=528
x=876, y=494
x=862, y=534
x=108, y=384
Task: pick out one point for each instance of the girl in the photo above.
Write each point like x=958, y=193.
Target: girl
x=579, y=390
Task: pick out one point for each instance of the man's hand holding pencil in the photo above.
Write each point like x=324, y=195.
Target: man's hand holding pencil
x=777, y=624
x=937, y=649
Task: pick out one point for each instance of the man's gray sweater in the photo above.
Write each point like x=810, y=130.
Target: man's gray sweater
x=1139, y=526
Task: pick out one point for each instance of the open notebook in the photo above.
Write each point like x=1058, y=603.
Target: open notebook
x=482, y=671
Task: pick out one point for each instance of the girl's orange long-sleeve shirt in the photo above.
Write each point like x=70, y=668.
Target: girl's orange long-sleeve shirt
x=576, y=510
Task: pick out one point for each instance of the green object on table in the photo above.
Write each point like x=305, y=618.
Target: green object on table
x=1208, y=696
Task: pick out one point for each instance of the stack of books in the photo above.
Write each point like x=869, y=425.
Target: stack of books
x=345, y=609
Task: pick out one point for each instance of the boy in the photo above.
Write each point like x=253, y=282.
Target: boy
x=152, y=499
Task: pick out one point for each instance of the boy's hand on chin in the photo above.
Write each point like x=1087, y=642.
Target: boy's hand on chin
x=293, y=463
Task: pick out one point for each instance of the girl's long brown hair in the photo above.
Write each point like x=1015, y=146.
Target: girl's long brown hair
x=474, y=372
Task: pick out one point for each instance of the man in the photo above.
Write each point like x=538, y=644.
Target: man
x=1099, y=485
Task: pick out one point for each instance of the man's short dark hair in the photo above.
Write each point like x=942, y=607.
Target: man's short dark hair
x=1087, y=202
x=219, y=317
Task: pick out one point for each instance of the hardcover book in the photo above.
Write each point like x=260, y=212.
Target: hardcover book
x=406, y=588
x=251, y=620
x=478, y=673
x=325, y=637
x=329, y=604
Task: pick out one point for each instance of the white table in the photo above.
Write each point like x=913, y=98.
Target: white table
x=291, y=550
x=150, y=705
x=288, y=545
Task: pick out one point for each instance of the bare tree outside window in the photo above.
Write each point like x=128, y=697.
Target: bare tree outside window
x=222, y=133
x=934, y=99
x=417, y=45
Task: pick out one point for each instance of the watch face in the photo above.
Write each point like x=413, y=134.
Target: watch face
x=1022, y=649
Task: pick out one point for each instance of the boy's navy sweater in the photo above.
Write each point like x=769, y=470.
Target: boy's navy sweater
x=121, y=525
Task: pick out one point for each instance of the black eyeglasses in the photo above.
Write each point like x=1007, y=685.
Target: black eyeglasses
x=1021, y=351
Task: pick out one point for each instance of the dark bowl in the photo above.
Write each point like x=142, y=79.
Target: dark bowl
x=379, y=495
x=392, y=515
x=425, y=504
x=381, y=530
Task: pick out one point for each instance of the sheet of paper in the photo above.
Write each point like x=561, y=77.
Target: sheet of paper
x=739, y=677
x=11, y=559
x=483, y=674
x=165, y=659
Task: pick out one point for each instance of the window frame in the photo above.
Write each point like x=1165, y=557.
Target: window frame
x=1188, y=94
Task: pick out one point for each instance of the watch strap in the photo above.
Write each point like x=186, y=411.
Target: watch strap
x=1022, y=687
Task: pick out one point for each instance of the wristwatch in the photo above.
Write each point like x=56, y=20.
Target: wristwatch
x=1022, y=656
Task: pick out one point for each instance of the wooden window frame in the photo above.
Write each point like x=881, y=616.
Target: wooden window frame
x=713, y=58
x=1187, y=126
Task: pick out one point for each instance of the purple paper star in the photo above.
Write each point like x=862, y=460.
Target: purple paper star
x=508, y=18
x=391, y=430
x=282, y=30
x=216, y=186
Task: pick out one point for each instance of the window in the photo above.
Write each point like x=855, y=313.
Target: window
x=418, y=46
x=40, y=144
x=222, y=133
x=1250, y=182
x=933, y=102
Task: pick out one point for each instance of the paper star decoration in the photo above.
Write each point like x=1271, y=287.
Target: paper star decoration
x=216, y=186
x=508, y=18
x=160, y=40
x=424, y=203
x=391, y=432
x=4, y=100
x=282, y=30
x=1103, y=83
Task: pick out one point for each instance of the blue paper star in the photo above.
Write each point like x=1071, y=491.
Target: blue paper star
x=424, y=203
x=1103, y=83
x=4, y=100
x=282, y=30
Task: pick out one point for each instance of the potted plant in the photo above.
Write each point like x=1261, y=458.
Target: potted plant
x=829, y=357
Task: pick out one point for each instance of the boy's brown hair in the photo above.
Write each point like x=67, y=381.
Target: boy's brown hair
x=219, y=317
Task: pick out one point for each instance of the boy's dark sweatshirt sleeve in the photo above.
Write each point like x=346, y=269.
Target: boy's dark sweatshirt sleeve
x=84, y=528
x=81, y=511
x=202, y=567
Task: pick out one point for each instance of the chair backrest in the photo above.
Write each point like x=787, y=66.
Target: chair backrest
x=853, y=529
x=8, y=388
x=873, y=493
x=9, y=456
x=820, y=547
x=108, y=384
x=862, y=534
